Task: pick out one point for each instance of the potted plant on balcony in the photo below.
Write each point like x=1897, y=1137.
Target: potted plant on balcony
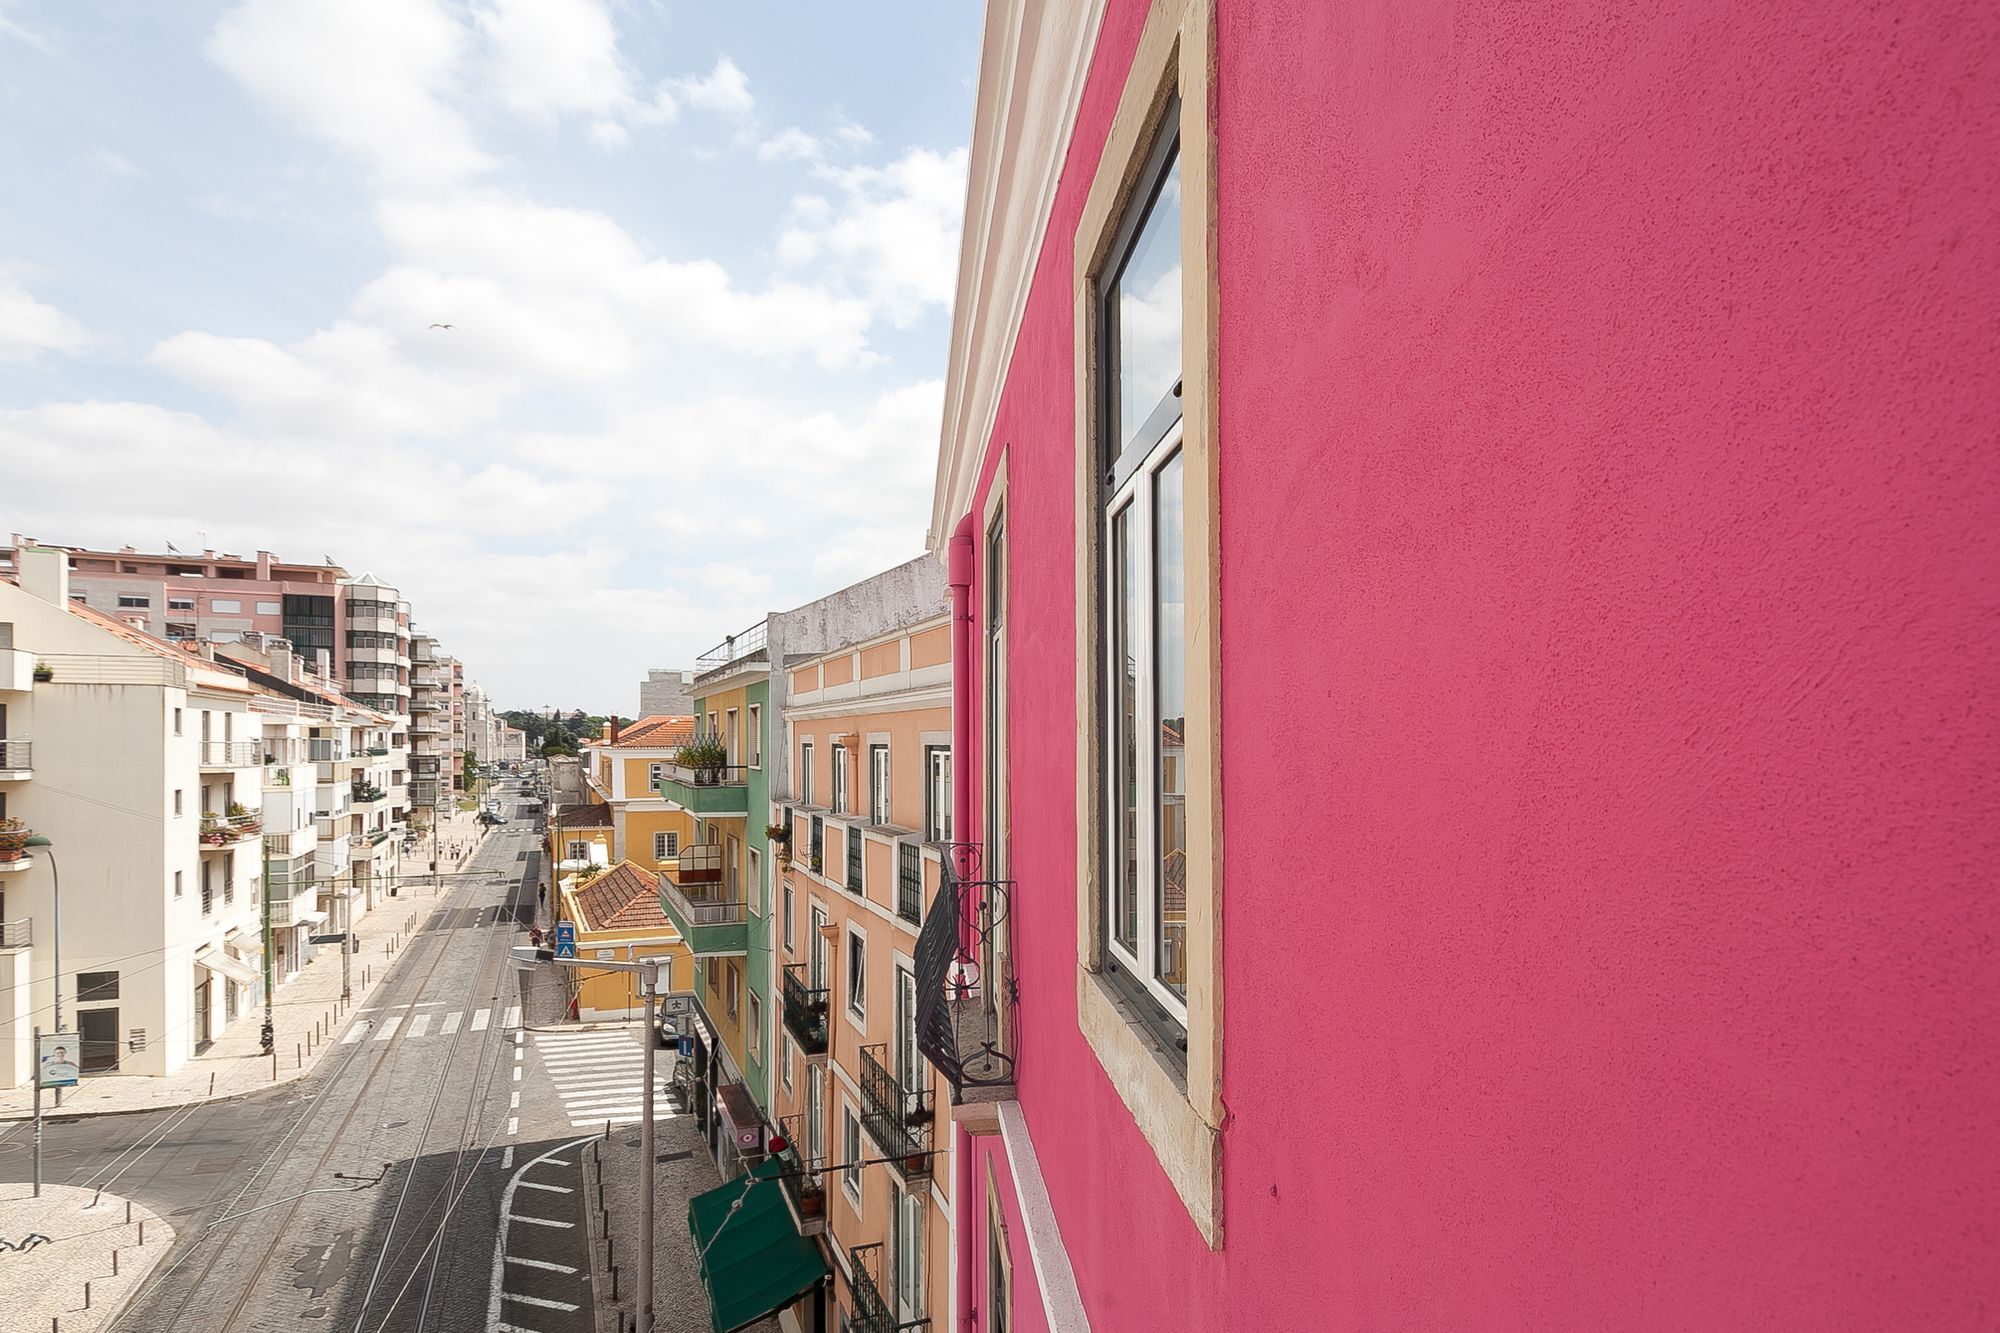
x=44, y=673
x=14, y=835
x=779, y=833
x=213, y=831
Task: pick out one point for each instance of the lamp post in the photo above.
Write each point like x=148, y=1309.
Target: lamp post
x=55, y=876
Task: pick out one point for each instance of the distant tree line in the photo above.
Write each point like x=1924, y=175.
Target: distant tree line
x=565, y=733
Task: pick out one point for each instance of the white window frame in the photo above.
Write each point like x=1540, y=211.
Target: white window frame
x=755, y=894
x=937, y=779
x=654, y=772
x=878, y=784
x=756, y=736
x=790, y=911
x=756, y=1024
x=856, y=997
x=838, y=795
x=785, y=1046
x=666, y=844
x=850, y=1152
x=805, y=782
x=816, y=1112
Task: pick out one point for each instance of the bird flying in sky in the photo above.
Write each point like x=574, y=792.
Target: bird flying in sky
x=444, y=326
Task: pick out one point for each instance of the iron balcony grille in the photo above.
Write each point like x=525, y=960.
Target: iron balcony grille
x=816, y=848
x=805, y=1011
x=897, y=1118
x=17, y=934
x=871, y=1314
x=734, y=648
x=804, y=1185
x=958, y=1009
x=17, y=754
x=909, y=882
x=231, y=754
x=853, y=858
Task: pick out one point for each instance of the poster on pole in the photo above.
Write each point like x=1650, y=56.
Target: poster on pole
x=58, y=1061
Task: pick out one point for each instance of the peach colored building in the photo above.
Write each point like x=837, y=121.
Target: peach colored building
x=868, y=730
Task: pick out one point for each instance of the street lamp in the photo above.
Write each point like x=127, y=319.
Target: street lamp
x=55, y=875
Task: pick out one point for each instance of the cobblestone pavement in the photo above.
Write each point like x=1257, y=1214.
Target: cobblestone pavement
x=366, y=1195
x=70, y=1238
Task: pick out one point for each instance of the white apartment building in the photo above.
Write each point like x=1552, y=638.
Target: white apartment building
x=145, y=773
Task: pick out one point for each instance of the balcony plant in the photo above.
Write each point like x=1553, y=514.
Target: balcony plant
x=14, y=835
x=44, y=673
x=778, y=833
x=706, y=758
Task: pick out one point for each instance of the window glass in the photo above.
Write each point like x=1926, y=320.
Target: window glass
x=225, y=606
x=1146, y=308
x=857, y=974
x=1170, y=707
x=1125, y=687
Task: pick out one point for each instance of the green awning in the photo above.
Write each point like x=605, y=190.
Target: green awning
x=754, y=1261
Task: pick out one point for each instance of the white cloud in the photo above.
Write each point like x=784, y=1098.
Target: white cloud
x=27, y=36
x=29, y=327
x=546, y=58
x=893, y=235
x=609, y=134
x=853, y=135
x=373, y=78
x=789, y=144
x=724, y=90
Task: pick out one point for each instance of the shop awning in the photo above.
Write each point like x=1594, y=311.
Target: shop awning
x=313, y=918
x=754, y=1261
x=233, y=968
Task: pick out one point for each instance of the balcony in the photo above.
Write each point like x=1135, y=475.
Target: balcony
x=232, y=754
x=853, y=841
x=17, y=669
x=17, y=760
x=708, y=914
x=381, y=654
x=364, y=797
x=223, y=831
x=14, y=854
x=326, y=751
x=899, y=1119
x=17, y=934
x=805, y=1187
x=718, y=790
x=872, y=1312
x=959, y=1008
x=805, y=1012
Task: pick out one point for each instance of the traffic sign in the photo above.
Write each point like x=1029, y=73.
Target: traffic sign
x=565, y=939
x=686, y=1048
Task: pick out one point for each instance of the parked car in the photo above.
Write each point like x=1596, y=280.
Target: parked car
x=490, y=820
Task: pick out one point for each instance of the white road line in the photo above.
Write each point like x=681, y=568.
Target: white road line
x=536, y=1301
x=513, y=1016
x=557, y=1161
x=520, y=1037
x=540, y=1221
x=389, y=1028
x=540, y=1263
x=552, y=1189
x=500, y=1241
x=507, y=1158
x=517, y=1073
x=419, y=1025
x=357, y=1032
x=515, y=1105
x=513, y=1125
x=450, y=1023
x=479, y=1020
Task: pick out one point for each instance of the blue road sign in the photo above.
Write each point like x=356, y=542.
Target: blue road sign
x=686, y=1048
x=565, y=939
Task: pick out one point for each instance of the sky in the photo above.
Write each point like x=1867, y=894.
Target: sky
x=697, y=259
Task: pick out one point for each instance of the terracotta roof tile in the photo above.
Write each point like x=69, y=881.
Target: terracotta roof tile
x=658, y=732
x=573, y=817
x=622, y=898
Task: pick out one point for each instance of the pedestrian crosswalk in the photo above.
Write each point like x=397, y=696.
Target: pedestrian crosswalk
x=419, y=1021
x=600, y=1075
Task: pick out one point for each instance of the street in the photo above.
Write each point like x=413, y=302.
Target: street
x=369, y=1195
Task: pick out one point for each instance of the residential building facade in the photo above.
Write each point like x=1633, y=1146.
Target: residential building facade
x=1471, y=644
x=623, y=772
x=666, y=692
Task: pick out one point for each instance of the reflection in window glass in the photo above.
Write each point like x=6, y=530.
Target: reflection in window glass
x=1147, y=306
x=1125, y=555
x=1170, y=706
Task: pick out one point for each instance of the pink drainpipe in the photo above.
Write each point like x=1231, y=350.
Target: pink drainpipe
x=958, y=576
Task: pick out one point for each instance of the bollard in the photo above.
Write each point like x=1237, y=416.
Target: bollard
x=298, y=1056
x=614, y=1288
x=274, y=1066
x=86, y=1295
x=114, y=1262
x=211, y=1082
x=142, y=1231
x=611, y=1250
x=128, y=1212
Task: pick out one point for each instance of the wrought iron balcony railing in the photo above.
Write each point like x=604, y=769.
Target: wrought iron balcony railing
x=805, y=1011
x=909, y=882
x=959, y=1006
x=231, y=754
x=804, y=1186
x=854, y=858
x=899, y=1119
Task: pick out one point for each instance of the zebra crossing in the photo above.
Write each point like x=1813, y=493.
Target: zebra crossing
x=600, y=1076
x=416, y=1022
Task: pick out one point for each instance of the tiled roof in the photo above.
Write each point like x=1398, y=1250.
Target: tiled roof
x=658, y=732
x=207, y=673
x=573, y=817
x=622, y=898
x=1173, y=894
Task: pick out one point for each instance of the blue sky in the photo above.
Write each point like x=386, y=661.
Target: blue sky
x=699, y=257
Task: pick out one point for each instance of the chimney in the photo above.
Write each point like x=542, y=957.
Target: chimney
x=325, y=664
x=44, y=571
x=611, y=729
x=264, y=564
x=281, y=660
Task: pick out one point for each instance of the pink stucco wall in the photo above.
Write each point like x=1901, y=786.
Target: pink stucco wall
x=1610, y=518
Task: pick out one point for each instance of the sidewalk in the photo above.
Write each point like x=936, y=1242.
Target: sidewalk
x=57, y=1244
x=303, y=1011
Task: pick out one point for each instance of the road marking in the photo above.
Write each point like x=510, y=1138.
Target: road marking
x=558, y=1161
x=536, y=1300
x=389, y=1028
x=519, y=1054
x=520, y=1037
x=499, y=1270
x=513, y=1125
x=553, y=1189
x=450, y=1023
x=540, y=1263
x=540, y=1221
x=357, y=1032
x=419, y=1025
x=517, y=1073
x=513, y=1016
x=507, y=1158
x=515, y=1105
x=479, y=1020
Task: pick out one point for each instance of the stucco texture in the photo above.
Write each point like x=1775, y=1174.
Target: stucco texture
x=1609, y=514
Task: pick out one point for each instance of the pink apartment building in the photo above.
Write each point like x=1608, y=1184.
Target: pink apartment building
x=1473, y=533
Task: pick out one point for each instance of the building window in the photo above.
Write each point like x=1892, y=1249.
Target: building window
x=857, y=974
x=1145, y=705
x=666, y=845
x=787, y=919
x=732, y=746
x=654, y=772
x=907, y=1224
x=177, y=884
x=999, y=1268
x=96, y=986
x=785, y=1060
x=733, y=999
x=756, y=1031
x=756, y=737
x=578, y=850
x=878, y=784
x=177, y=722
x=850, y=1152
x=126, y=599
x=815, y=1113
x=840, y=779
x=805, y=783
x=225, y=606
x=937, y=793
x=270, y=608
x=756, y=896
x=180, y=797
x=180, y=603
x=207, y=888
